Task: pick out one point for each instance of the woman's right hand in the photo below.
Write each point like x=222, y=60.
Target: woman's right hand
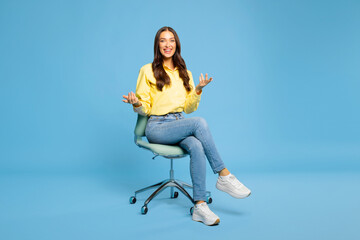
x=132, y=99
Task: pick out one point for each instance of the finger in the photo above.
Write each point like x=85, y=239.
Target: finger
x=206, y=76
x=124, y=96
x=202, y=76
x=133, y=98
x=125, y=101
x=130, y=100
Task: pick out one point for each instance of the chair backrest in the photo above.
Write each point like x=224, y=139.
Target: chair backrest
x=140, y=125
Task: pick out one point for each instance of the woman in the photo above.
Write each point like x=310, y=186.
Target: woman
x=165, y=89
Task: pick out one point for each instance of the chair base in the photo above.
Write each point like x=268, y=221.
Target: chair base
x=172, y=183
x=165, y=184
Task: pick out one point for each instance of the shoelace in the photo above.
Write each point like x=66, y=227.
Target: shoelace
x=205, y=208
x=235, y=182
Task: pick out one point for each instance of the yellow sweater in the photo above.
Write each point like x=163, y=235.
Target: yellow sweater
x=173, y=98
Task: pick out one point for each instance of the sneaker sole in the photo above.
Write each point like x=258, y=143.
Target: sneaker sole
x=233, y=195
x=215, y=223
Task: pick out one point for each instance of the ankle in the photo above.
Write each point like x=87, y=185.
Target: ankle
x=224, y=172
x=198, y=202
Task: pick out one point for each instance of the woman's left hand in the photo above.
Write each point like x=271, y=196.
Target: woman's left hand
x=203, y=82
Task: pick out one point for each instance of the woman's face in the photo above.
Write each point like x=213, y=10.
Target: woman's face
x=167, y=44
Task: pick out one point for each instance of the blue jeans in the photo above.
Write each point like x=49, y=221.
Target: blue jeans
x=193, y=135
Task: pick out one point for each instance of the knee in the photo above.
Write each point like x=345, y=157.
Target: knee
x=193, y=145
x=201, y=122
x=196, y=145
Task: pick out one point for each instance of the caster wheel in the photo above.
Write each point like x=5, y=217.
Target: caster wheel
x=132, y=200
x=144, y=210
x=191, y=210
x=209, y=200
x=175, y=195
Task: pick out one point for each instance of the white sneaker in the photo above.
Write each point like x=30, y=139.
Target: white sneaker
x=232, y=186
x=202, y=213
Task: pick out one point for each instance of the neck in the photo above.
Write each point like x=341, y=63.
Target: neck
x=169, y=63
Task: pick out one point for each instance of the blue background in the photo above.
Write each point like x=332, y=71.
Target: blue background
x=283, y=109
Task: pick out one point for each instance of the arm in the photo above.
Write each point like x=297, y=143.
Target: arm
x=193, y=98
x=143, y=94
x=141, y=100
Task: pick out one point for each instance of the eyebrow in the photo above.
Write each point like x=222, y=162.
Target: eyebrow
x=169, y=38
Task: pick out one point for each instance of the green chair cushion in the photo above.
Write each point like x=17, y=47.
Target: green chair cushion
x=162, y=150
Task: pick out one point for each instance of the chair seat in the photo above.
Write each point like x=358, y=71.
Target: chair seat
x=168, y=151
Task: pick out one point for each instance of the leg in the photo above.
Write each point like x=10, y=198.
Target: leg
x=197, y=166
x=175, y=131
x=224, y=172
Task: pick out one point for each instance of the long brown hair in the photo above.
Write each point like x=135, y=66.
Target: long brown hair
x=162, y=78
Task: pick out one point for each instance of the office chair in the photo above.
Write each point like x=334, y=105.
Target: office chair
x=167, y=151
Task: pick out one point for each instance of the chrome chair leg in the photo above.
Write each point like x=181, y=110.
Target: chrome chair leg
x=157, y=191
x=184, y=184
x=170, y=183
x=149, y=187
x=178, y=186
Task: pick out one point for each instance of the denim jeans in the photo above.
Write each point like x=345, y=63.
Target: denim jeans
x=193, y=135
